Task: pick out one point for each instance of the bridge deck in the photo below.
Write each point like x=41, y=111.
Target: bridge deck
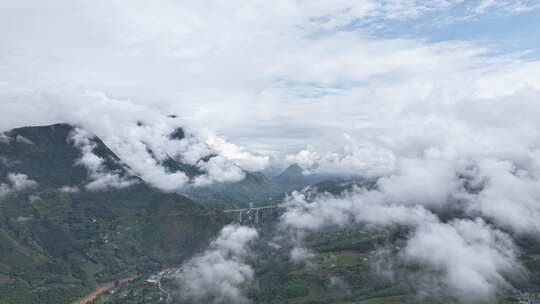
x=255, y=208
x=240, y=211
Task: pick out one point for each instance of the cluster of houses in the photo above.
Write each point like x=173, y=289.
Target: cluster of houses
x=169, y=273
x=528, y=298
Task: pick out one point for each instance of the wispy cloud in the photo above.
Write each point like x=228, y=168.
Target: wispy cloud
x=100, y=176
x=463, y=258
x=218, y=274
x=16, y=182
x=509, y=6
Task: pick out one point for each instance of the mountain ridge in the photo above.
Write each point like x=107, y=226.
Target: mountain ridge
x=58, y=239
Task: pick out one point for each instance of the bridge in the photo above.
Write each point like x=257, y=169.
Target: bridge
x=253, y=211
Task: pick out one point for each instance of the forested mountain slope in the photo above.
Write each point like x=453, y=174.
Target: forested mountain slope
x=59, y=237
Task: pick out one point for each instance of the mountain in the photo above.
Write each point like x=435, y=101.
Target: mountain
x=254, y=189
x=257, y=189
x=293, y=178
x=173, y=165
x=45, y=154
x=62, y=233
x=59, y=238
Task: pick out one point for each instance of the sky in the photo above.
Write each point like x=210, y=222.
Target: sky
x=274, y=77
x=344, y=86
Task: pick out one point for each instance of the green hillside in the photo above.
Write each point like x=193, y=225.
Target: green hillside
x=55, y=246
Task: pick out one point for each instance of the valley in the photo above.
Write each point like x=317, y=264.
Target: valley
x=270, y=152
x=63, y=243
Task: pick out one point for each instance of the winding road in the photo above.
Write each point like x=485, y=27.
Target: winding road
x=88, y=299
x=164, y=291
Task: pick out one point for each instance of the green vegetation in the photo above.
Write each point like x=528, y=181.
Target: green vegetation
x=344, y=270
x=56, y=246
x=62, y=245
x=137, y=292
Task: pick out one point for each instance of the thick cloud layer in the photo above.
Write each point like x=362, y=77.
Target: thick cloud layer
x=352, y=159
x=218, y=274
x=465, y=258
x=469, y=259
x=142, y=139
x=273, y=76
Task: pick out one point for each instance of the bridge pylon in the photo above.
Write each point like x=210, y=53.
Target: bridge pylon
x=254, y=211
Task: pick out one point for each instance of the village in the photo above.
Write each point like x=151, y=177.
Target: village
x=525, y=297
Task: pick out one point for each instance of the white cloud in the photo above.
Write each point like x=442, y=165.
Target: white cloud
x=237, y=154
x=23, y=140
x=478, y=157
x=218, y=170
x=218, y=274
x=472, y=257
x=4, y=190
x=483, y=171
x=242, y=70
x=20, y=181
x=353, y=159
x=100, y=176
x=142, y=140
x=466, y=259
x=510, y=196
x=513, y=6
x=358, y=206
x=16, y=182
x=428, y=182
x=4, y=139
x=69, y=189
x=301, y=254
